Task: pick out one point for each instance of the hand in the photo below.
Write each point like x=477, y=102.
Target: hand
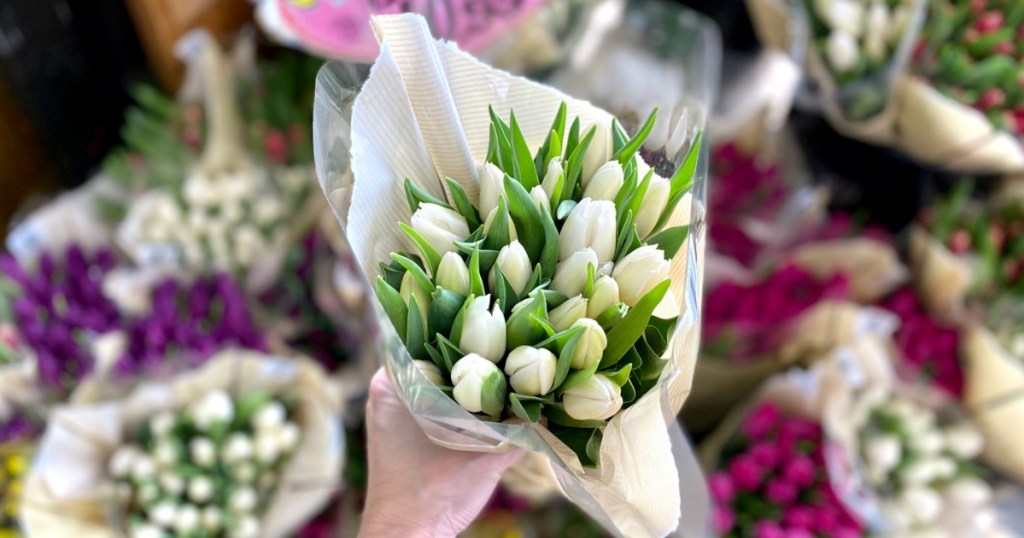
x=417, y=488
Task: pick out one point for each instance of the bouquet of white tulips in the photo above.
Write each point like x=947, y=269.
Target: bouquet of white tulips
x=536, y=267
x=207, y=471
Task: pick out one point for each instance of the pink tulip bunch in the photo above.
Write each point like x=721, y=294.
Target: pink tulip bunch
x=742, y=321
x=928, y=347
x=774, y=483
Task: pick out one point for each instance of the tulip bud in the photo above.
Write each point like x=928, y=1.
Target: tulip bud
x=842, y=52
x=147, y=531
x=604, y=296
x=247, y=527
x=165, y=454
x=883, y=453
x=551, y=176
x=590, y=347
x=597, y=398
x=288, y=437
x=143, y=468
x=606, y=182
x=243, y=500
x=969, y=492
x=216, y=407
x=212, y=519
x=483, y=332
x=439, y=226
x=845, y=16
x=238, y=448
x=122, y=461
x=492, y=185
x=270, y=417
x=452, y=274
x=639, y=272
x=171, y=483
x=469, y=375
x=202, y=451
x=922, y=504
x=963, y=441
x=531, y=370
x=876, y=31
x=409, y=289
x=571, y=274
x=598, y=152
x=200, y=489
x=163, y=514
x=267, y=448
x=514, y=263
x=540, y=198
x=512, y=235
x=591, y=224
x=429, y=371
x=161, y=424
x=187, y=519
x=654, y=203
x=564, y=315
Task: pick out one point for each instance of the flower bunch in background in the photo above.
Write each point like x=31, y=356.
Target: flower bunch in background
x=14, y=462
x=207, y=470
x=971, y=51
x=57, y=306
x=743, y=321
x=919, y=466
x=189, y=323
x=927, y=346
x=537, y=299
x=772, y=481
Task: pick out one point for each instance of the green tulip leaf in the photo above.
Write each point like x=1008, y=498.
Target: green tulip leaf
x=549, y=252
x=498, y=235
x=505, y=293
x=416, y=331
x=527, y=217
x=525, y=409
x=503, y=143
x=666, y=214
x=522, y=328
x=585, y=442
x=438, y=359
x=565, y=355
x=460, y=319
x=449, y=352
x=564, y=209
x=670, y=240
x=611, y=316
x=416, y=196
x=492, y=395
x=445, y=306
x=393, y=305
x=463, y=205
x=577, y=377
x=392, y=274
x=624, y=154
x=575, y=163
x=552, y=146
x=588, y=288
x=554, y=299
x=636, y=199
x=485, y=258
x=682, y=180
x=418, y=274
x=525, y=169
x=620, y=376
x=573, y=140
x=430, y=255
x=619, y=136
x=556, y=415
x=628, y=393
x=622, y=337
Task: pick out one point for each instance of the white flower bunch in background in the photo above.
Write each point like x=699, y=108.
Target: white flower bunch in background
x=537, y=299
x=858, y=35
x=208, y=470
x=920, y=466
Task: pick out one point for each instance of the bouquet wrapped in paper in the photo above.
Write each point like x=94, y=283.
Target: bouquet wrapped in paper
x=246, y=445
x=537, y=272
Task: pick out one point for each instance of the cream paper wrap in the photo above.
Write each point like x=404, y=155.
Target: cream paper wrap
x=69, y=493
x=422, y=114
x=873, y=267
x=941, y=278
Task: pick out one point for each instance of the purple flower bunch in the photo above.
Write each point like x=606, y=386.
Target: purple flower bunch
x=57, y=305
x=17, y=428
x=743, y=321
x=743, y=188
x=929, y=348
x=774, y=483
x=189, y=322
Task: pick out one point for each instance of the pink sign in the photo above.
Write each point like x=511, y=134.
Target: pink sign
x=341, y=28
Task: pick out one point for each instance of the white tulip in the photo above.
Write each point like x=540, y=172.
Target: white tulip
x=148, y=492
x=187, y=520
x=531, y=370
x=842, y=51
x=969, y=492
x=877, y=30
x=267, y=480
x=429, y=371
x=928, y=443
x=551, y=176
x=172, y=483
x=922, y=504
x=598, y=152
x=845, y=16
x=288, y=437
x=147, y=531
x=639, y=272
x=492, y=186
x=202, y=451
x=162, y=423
x=512, y=234
x=269, y=417
x=212, y=519
x=883, y=453
x=540, y=198
x=249, y=244
x=597, y=398
x=453, y=274
x=895, y=516
x=267, y=448
x=483, y=332
x=918, y=473
x=165, y=454
x=564, y=315
x=266, y=210
x=200, y=489
x=196, y=190
x=571, y=274
x=163, y=514
x=606, y=183
x=944, y=468
x=652, y=206
x=215, y=407
x=514, y=263
x=143, y=468
x=439, y=226
x=231, y=211
x=237, y=449
x=591, y=345
x=122, y=461
x=899, y=20
x=409, y=288
x=243, y=500
x=591, y=224
x=247, y=527
x=244, y=472
x=963, y=441
x=469, y=375
x=604, y=296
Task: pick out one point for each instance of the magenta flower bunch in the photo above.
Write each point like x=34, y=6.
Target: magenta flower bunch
x=742, y=321
x=928, y=347
x=773, y=482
